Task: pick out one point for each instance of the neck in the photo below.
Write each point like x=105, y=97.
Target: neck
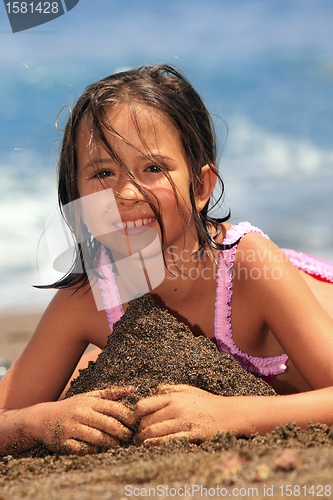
x=187, y=273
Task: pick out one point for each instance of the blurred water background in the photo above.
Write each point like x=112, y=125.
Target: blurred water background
x=265, y=67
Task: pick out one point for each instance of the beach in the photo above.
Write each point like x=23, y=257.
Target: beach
x=286, y=462
x=265, y=72
x=16, y=330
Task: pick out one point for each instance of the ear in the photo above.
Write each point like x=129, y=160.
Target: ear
x=205, y=187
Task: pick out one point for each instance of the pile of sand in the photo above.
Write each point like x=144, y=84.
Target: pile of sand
x=148, y=346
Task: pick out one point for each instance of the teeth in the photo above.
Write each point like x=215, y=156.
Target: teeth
x=136, y=223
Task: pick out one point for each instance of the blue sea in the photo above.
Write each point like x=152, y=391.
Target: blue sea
x=264, y=69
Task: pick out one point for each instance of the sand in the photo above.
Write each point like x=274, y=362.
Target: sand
x=149, y=346
x=224, y=466
x=16, y=330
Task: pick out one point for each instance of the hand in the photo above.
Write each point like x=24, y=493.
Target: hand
x=181, y=411
x=86, y=423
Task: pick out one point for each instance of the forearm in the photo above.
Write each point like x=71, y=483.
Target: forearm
x=252, y=414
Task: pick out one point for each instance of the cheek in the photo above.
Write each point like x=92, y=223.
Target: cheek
x=99, y=212
x=81, y=186
x=170, y=202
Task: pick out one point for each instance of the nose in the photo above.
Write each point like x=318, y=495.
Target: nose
x=128, y=192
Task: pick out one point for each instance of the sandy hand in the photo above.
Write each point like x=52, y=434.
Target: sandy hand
x=86, y=423
x=178, y=411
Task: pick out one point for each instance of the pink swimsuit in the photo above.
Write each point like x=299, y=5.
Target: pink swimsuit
x=265, y=368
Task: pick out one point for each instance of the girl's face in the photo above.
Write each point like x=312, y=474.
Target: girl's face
x=150, y=143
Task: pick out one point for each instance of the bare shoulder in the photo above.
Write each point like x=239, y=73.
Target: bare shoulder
x=74, y=298
x=68, y=325
x=74, y=309
x=264, y=272
x=70, y=305
x=255, y=251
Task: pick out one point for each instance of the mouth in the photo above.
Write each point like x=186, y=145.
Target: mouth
x=135, y=223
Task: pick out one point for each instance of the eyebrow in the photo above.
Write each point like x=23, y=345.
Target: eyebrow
x=152, y=156
x=94, y=161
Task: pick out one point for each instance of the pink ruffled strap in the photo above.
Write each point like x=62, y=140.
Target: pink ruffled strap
x=318, y=268
x=108, y=286
x=223, y=334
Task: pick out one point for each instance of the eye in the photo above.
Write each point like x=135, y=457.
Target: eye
x=154, y=169
x=103, y=174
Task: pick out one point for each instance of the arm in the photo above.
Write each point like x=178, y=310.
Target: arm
x=302, y=329
x=183, y=411
x=86, y=423
x=29, y=391
x=284, y=303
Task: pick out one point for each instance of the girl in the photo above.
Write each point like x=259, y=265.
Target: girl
x=146, y=135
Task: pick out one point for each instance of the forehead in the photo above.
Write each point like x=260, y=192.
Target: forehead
x=140, y=128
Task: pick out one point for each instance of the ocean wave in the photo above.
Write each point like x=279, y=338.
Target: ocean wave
x=279, y=183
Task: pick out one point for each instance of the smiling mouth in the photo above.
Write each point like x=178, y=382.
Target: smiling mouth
x=135, y=223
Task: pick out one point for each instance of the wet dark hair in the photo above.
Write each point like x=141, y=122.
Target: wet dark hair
x=161, y=88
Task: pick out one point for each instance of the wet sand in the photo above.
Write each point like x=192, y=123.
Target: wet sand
x=148, y=347
x=224, y=466
x=255, y=466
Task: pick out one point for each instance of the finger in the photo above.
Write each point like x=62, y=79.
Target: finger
x=167, y=388
x=72, y=447
x=113, y=393
x=110, y=426
x=150, y=405
x=75, y=447
x=99, y=438
x=102, y=416
x=177, y=435
x=91, y=435
x=158, y=416
x=161, y=429
x=116, y=410
x=104, y=439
